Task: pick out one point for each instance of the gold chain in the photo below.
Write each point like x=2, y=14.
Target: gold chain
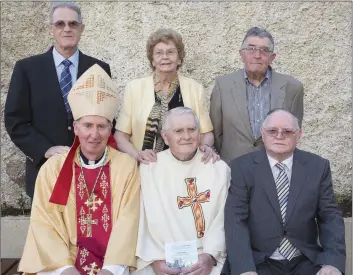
x=90, y=197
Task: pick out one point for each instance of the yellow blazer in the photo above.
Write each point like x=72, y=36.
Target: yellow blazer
x=139, y=100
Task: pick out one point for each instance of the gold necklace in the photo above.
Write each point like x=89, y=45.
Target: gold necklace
x=91, y=197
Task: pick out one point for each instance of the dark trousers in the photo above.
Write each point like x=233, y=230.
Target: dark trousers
x=300, y=265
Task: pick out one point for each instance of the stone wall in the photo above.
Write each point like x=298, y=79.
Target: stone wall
x=313, y=43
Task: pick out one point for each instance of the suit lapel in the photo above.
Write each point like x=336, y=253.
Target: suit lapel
x=264, y=177
x=50, y=77
x=298, y=178
x=83, y=64
x=277, y=91
x=239, y=97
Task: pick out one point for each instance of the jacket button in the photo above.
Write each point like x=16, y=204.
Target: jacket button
x=285, y=232
x=69, y=128
x=255, y=144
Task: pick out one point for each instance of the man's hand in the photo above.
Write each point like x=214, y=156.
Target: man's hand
x=329, y=270
x=249, y=273
x=208, y=154
x=203, y=266
x=56, y=150
x=70, y=271
x=104, y=272
x=161, y=268
x=146, y=156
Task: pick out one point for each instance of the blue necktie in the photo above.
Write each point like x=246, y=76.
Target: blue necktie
x=66, y=84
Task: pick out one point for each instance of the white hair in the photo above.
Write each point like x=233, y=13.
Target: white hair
x=177, y=112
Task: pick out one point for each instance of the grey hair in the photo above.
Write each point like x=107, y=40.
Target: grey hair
x=259, y=32
x=294, y=118
x=177, y=112
x=69, y=5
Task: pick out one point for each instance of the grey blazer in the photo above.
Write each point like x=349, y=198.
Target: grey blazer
x=229, y=113
x=253, y=223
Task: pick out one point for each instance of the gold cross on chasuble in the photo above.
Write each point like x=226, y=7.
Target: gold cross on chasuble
x=92, y=269
x=194, y=200
x=88, y=222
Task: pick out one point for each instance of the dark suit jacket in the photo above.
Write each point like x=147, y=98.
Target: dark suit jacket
x=35, y=115
x=229, y=112
x=253, y=223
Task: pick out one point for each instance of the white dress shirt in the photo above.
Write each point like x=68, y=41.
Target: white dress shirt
x=58, y=58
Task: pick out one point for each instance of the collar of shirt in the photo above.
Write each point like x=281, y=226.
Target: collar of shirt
x=58, y=58
x=267, y=74
x=287, y=162
x=94, y=164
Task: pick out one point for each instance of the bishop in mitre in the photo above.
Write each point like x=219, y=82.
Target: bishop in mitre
x=85, y=209
x=182, y=199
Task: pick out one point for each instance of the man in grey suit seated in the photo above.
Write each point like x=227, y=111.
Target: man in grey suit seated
x=240, y=100
x=279, y=204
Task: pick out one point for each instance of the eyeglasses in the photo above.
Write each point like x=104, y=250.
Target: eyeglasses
x=253, y=50
x=61, y=24
x=168, y=53
x=286, y=133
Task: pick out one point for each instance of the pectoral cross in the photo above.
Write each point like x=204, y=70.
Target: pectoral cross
x=92, y=270
x=194, y=200
x=89, y=222
x=91, y=202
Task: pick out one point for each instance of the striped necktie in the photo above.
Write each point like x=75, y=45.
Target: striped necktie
x=66, y=84
x=282, y=185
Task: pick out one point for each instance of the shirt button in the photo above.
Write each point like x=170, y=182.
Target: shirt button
x=69, y=128
x=258, y=105
x=257, y=120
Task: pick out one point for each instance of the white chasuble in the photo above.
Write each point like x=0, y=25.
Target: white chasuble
x=181, y=201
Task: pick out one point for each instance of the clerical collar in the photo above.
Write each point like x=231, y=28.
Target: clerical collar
x=92, y=163
x=191, y=156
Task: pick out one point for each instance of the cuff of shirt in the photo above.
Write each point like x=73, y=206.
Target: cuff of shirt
x=56, y=271
x=115, y=269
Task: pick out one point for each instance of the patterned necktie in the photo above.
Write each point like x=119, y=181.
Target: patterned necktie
x=282, y=184
x=66, y=84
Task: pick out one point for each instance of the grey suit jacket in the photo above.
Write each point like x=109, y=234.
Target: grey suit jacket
x=229, y=113
x=253, y=223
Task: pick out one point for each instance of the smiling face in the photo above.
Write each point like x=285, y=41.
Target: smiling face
x=165, y=57
x=66, y=29
x=256, y=62
x=93, y=133
x=276, y=126
x=182, y=136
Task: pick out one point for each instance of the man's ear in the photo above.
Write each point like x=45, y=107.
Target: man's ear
x=75, y=124
x=165, y=137
x=273, y=56
x=50, y=30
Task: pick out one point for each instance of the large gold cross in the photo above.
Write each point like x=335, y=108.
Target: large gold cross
x=194, y=200
x=92, y=270
x=91, y=202
x=89, y=222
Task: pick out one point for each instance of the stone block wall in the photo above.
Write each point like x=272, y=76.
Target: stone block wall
x=313, y=43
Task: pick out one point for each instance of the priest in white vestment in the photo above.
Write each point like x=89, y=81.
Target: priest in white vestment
x=182, y=199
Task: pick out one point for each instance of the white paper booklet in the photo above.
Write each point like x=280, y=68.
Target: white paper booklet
x=181, y=254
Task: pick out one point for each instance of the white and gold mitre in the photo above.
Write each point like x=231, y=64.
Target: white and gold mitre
x=94, y=94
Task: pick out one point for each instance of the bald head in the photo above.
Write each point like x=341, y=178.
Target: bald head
x=283, y=114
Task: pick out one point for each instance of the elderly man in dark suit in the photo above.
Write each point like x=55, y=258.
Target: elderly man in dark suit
x=241, y=100
x=280, y=203
x=37, y=115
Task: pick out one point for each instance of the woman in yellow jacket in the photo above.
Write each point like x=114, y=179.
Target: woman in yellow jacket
x=148, y=99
